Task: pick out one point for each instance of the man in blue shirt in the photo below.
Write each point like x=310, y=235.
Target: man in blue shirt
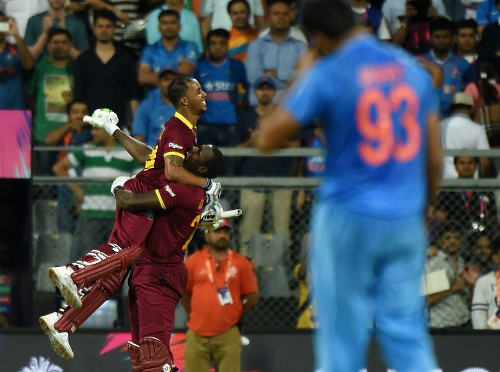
x=219, y=76
x=154, y=111
x=368, y=236
x=169, y=52
x=455, y=68
x=190, y=27
x=276, y=53
x=488, y=12
x=13, y=58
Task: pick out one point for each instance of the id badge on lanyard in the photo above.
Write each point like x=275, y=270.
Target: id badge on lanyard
x=494, y=322
x=223, y=293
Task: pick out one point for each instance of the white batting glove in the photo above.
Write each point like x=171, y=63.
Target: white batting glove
x=106, y=119
x=211, y=213
x=213, y=191
x=118, y=183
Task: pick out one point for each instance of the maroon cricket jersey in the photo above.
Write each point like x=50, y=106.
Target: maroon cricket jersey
x=174, y=227
x=177, y=138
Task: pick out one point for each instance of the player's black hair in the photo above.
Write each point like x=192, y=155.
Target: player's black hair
x=216, y=164
x=178, y=88
x=58, y=31
x=332, y=17
x=218, y=32
x=439, y=24
x=232, y=2
x=105, y=14
x=466, y=23
x=455, y=159
x=169, y=12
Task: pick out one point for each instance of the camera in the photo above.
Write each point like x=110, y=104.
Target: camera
x=422, y=7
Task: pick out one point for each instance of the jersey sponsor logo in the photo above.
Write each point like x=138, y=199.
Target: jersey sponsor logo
x=169, y=190
x=174, y=146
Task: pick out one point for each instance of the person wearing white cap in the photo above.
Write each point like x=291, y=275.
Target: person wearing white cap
x=458, y=131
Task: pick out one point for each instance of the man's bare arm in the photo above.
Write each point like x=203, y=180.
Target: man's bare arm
x=249, y=301
x=139, y=150
x=175, y=172
x=131, y=202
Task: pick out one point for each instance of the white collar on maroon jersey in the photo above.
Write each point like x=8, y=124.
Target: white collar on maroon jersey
x=181, y=117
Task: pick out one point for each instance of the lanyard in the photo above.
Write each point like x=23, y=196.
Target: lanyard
x=226, y=275
x=482, y=203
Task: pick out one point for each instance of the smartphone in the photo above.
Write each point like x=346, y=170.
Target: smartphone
x=4, y=26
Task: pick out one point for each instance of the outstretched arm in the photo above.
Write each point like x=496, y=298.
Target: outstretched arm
x=139, y=150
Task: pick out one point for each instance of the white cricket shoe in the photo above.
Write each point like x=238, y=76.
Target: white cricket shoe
x=61, y=278
x=58, y=340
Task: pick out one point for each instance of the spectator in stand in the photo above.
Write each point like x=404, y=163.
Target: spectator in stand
x=154, y=111
x=74, y=133
x=105, y=75
x=486, y=90
x=219, y=76
x=371, y=17
x=276, y=53
x=466, y=39
x=471, y=8
x=450, y=309
x=94, y=203
x=455, y=68
x=475, y=210
x=490, y=41
x=459, y=132
x=51, y=87
x=169, y=52
x=488, y=12
x=190, y=27
x=480, y=243
x=13, y=58
x=486, y=298
x=409, y=22
x=221, y=289
x=252, y=201
x=214, y=15
x=22, y=10
x=242, y=33
x=39, y=27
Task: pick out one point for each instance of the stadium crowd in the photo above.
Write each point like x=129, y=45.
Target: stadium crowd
x=64, y=59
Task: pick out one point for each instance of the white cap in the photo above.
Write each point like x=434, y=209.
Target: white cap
x=462, y=98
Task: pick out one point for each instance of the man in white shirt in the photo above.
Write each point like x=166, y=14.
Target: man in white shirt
x=458, y=131
x=485, y=298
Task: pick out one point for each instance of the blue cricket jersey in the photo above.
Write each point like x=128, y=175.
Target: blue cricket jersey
x=158, y=57
x=456, y=70
x=374, y=101
x=220, y=82
x=151, y=116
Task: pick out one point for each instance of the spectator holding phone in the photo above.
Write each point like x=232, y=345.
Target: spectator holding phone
x=13, y=58
x=410, y=25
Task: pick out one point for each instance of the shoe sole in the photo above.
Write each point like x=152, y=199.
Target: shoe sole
x=54, y=342
x=69, y=296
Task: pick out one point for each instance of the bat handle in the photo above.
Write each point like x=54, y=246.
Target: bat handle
x=231, y=213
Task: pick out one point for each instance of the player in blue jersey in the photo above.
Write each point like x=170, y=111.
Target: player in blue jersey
x=380, y=118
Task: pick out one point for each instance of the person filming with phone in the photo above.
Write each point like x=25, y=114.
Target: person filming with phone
x=13, y=58
x=413, y=33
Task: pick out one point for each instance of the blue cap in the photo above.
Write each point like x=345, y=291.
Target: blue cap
x=266, y=79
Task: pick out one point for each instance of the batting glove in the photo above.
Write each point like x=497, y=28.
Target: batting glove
x=118, y=183
x=211, y=213
x=106, y=119
x=213, y=191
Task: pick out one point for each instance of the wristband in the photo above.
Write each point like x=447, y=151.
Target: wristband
x=208, y=184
